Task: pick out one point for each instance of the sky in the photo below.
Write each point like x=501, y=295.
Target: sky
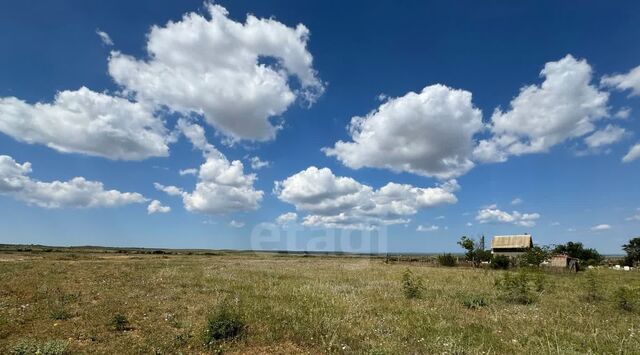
x=359, y=126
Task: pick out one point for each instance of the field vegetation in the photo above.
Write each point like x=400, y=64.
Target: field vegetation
x=61, y=302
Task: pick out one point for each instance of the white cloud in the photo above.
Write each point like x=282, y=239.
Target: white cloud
x=565, y=106
x=555, y=223
x=191, y=171
x=492, y=214
x=104, y=37
x=635, y=217
x=169, y=190
x=431, y=228
x=342, y=202
x=222, y=185
x=628, y=81
x=440, y=217
x=516, y=201
x=623, y=113
x=601, y=227
x=607, y=136
x=216, y=67
x=633, y=154
x=87, y=122
x=469, y=224
x=287, y=218
x=572, y=229
x=236, y=224
x=77, y=192
x=156, y=207
x=257, y=164
x=428, y=133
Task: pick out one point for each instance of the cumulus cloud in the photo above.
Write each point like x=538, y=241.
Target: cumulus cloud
x=623, y=113
x=428, y=133
x=342, y=202
x=237, y=75
x=516, y=201
x=633, y=154
x=431, y=228
x=191, y=171
x=604, y=137
x=635, y=217
x=156, y=207
x=104, y=37
x=77, y=192
x=565, y=106
x=222, y=185
x=600, y=227
x=287, y=218
x=491, y=214
x=87, y=122
x=629, y=81
x=236, y=224
x=257, y=164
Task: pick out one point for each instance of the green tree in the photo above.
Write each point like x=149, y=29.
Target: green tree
x=475, y=250
x=633, y=252
x=535, y=256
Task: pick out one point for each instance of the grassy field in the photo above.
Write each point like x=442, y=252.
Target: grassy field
x=294, y=304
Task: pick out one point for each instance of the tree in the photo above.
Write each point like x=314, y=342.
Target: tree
x=535, y=256
x=633, y=251
x=475, y=251
x=577, y=250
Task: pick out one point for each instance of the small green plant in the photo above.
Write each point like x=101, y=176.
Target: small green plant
x=223, y=324
x=475, y=302
x=500, y=262
x=412, y=285
x=518, y=288
x=625, y=298
x=592, y=288
x=447, y=260
x=58, y=304
x=119, y=322
x=33, y=347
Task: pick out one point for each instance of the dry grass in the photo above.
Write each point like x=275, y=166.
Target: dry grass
x=298, y=305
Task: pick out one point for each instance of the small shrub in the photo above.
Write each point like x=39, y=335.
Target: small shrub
x=500, y=262
x=32, y=347
x=119, y=322
x=625, y=298
x=412, y=285
x=24, y=347
x=54, y=347
x=58, y=301
x=223, y=324
x=592, y=288
x=475, y=302
x=518, y=288
x=447, y=260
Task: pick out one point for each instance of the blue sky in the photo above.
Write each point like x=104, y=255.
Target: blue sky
x=425, y=77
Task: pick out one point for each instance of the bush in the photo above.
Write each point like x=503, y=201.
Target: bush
x=500, y=262
x=475, y=302
x=592, y=288
x=520, y=288
x=32, y=347
x=625, y=298
x=447, y=260
x=58, y=302
x=534, y=256
x=223, y=324
x=412, y=285
x=119, y=322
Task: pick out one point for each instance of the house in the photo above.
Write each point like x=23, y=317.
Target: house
x=564, y=261
x=511, y=245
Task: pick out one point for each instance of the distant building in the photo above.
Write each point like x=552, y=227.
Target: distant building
x=511, y=245
x=564, y=261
